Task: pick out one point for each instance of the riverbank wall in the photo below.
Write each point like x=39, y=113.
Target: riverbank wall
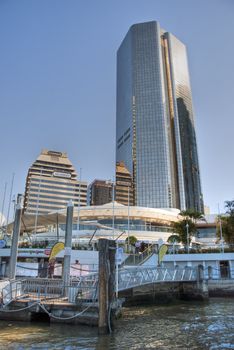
x=163, y=293
x=221, y=288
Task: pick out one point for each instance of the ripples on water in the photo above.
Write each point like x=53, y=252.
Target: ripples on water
x=182, y=326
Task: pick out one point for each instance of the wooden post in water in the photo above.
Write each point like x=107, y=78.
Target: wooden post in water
x=106, y=282
x=14, y=242
x=111, y=284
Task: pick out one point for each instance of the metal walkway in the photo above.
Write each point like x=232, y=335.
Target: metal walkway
x=85, y=289
x=141, y=275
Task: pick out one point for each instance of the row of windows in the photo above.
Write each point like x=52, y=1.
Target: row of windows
x=59, y=203
x=124, y=191
x=67, y=198
x=60, y=192
x=49, y=173
x=53, y=165
x=62, y=187
x=58, y=182
x=48, y=207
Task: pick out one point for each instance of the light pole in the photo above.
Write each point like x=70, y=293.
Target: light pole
x=187, y=230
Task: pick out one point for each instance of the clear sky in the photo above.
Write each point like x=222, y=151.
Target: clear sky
x=58, y=83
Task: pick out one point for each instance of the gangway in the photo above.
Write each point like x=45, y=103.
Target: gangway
x=85, y=289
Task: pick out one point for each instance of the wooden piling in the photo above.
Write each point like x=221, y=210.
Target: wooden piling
x=106, y=282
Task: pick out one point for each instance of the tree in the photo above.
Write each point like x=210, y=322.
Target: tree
x=185, y=228
x=227, y=223
x=174, y=239
x=229, y=205
x=192, y=215
x=132, y=240
x=228, y=229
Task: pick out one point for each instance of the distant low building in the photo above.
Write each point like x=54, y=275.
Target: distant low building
x=51, y=183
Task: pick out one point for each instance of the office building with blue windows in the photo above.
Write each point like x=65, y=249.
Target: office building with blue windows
x=155, y=131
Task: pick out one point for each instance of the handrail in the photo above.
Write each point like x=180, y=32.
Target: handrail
x=139, y=275
x=140, y=257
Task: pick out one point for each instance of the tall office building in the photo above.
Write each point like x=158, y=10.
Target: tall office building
x=51, y=183
x=100, y=192
x=155, y=133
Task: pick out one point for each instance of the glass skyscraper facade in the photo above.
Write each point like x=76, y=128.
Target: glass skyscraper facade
x=155, y=134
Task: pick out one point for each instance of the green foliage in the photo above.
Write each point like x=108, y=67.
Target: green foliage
x=174, y=239
x=229, y=205
x=227, y=229
x=192, y=214
x=227, y=222
x=132, y=240
x=180, y=229
x=186, y=226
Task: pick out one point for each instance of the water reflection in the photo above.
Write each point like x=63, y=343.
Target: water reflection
x=182, y=326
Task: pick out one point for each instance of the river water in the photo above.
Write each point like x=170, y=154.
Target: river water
x=179, y=326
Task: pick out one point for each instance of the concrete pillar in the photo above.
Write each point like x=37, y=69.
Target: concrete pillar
x=112, y=264
x=68, y=244
x=15, y=239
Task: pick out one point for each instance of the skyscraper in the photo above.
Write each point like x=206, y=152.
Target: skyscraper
x=155, y=134
x=51, y=183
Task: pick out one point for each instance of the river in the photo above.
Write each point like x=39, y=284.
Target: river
x=179, y=326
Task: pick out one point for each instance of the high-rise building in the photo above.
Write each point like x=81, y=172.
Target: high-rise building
x=155, y=133
x=123, y=185
x=51, y=183
x=100, y=192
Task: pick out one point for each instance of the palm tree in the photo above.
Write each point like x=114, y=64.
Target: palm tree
x=192, y=214
x=186, y=228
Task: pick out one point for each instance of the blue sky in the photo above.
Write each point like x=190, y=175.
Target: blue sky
x=58, y=83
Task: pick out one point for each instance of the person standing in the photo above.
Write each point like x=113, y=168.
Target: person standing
x=51, y=268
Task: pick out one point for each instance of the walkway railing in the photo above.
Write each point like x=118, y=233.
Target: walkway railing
x=85, y=289
x=137, y=276
x=82, y=290
x=140, y=257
